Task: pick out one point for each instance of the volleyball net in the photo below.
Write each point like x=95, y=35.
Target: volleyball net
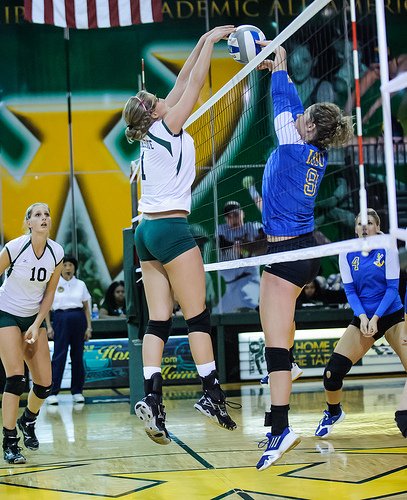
x=336, y=54
x=234, y=136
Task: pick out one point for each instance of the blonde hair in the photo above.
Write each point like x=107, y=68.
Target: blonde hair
x=333, y=128
x=137, y=114
x=372, y=213
x=28, y=212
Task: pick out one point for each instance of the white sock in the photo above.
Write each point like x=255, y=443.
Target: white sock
x=206, y=369
x=148, y=371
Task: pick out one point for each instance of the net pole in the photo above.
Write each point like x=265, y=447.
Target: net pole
x=70, y=139
x=362, y=180
x=388, y=133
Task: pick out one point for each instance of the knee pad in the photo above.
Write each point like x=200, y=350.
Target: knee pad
x=15, y=385
x=338, y=366
x=200, y=323
x=277, y=359
x=401, y=421
x=41, y=391
x=160, y=329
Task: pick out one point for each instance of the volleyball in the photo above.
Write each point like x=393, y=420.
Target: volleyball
x=242, y=44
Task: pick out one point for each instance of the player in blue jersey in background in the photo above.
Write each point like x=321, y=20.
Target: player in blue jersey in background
x=371, y=284
x=291, y=180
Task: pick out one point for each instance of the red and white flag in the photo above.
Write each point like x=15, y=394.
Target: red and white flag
x=86, y=14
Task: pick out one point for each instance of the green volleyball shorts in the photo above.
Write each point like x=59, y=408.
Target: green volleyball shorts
x=7, y=319
x=163, y=239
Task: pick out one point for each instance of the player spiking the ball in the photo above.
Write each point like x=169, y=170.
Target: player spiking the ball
x=170, y=259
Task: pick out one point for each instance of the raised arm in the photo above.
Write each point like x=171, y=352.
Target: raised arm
x=180, y=112
x=280, y=59
x=280, y=62
x=182, y=79
x=282, y=93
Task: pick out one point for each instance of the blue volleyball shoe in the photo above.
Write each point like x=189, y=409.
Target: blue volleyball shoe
x=296, y=372
x=327, y=422
x=276, y=447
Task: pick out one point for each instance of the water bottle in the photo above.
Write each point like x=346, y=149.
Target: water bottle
x=95, y=311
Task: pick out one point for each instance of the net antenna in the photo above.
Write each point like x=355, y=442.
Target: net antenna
x=362, y=182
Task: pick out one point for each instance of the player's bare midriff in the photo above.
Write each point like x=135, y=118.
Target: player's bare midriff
x=165, y=215
x=274, y=239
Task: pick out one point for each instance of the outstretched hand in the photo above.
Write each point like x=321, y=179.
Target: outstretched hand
x=280, y=59
x=266, y=64
x=210, y=32
x=220, y=33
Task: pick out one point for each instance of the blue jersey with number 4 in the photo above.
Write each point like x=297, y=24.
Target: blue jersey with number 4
x=294, y=170
x=371, y=281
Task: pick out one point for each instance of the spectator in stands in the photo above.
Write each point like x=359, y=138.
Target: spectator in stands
x=344, y=79
x=114, y=303
x=371, y=100
x=239, y=239
x=371, y=283
x=334, y=291
x=71, y=327
x=311, y=294
x=310, y=89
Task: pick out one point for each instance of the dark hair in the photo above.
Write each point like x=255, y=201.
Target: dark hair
x=333, y=128
x=137, y=114
x=231, y=206
x=72, y=260
x=109, y=302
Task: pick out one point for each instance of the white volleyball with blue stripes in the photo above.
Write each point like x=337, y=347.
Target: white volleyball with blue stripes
x=242, y=44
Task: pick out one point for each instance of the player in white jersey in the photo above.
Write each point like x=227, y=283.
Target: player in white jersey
x=33, y=263
x=171, y=262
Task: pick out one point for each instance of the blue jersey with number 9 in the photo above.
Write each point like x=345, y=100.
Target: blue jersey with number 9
x=294, y=170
